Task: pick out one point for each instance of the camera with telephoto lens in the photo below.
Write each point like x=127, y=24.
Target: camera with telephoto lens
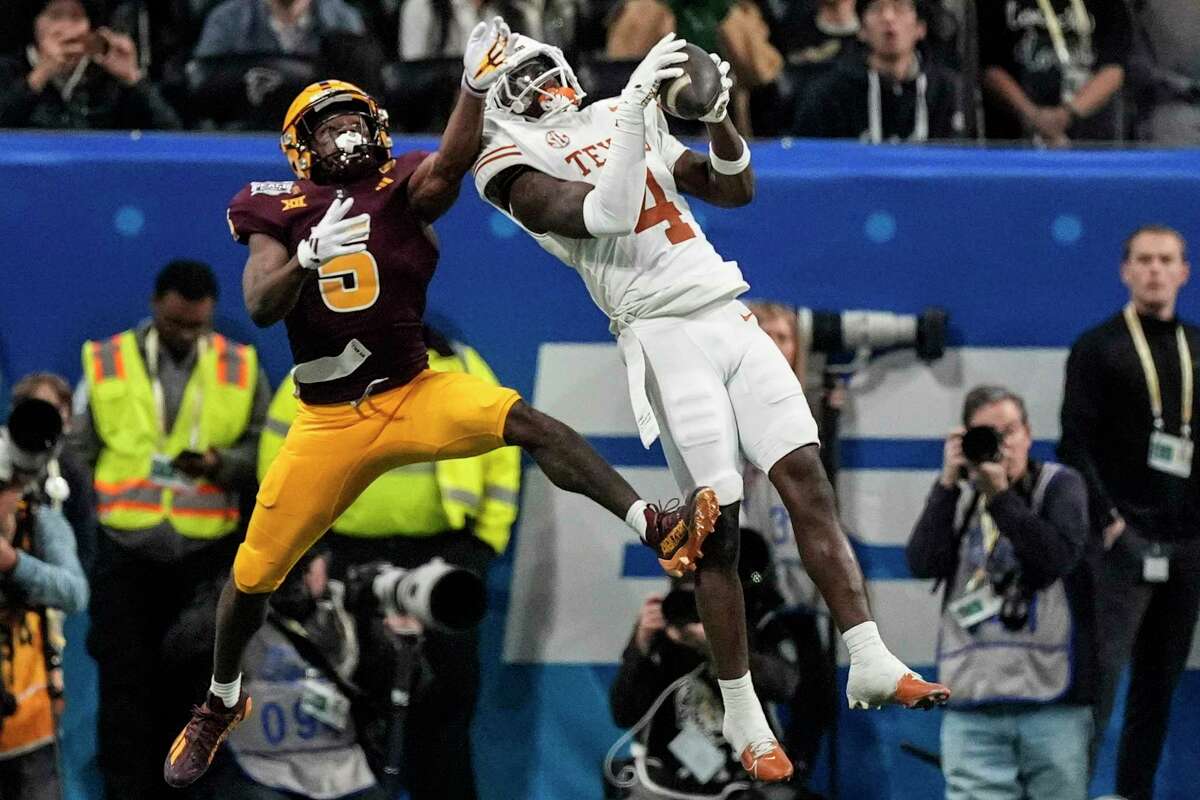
x=981, y=444
x=835, y=332
x=30, y=440
x=438, y=594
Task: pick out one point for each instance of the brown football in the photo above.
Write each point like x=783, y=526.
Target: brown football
x=692, y=94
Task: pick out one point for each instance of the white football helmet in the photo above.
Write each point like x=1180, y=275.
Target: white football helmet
x=534, y=65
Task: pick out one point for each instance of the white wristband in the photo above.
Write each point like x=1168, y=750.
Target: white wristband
x=730, y=167
x=471, y=90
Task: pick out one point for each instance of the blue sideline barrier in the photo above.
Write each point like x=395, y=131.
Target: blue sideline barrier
x=1020, y=246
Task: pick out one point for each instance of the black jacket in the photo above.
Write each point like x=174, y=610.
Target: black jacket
x=100, y=101
x=836, y=105
x=1106, y=426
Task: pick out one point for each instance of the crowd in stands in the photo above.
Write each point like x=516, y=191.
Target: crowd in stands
x=1048, y=72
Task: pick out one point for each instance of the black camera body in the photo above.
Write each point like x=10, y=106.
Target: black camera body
x=981, y=444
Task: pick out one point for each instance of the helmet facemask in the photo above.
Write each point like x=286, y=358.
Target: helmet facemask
x=347, y=151
x=538, y=87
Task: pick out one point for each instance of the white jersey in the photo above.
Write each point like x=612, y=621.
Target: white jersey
x=666, y=267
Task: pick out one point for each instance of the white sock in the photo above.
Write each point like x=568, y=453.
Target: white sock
x=743, y=714
x=864, y=643
x=635, y=517
x=228, y=692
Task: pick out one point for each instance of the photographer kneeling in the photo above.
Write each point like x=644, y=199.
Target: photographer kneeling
x=301, y=740
x=1007, y=536
x=666, y=690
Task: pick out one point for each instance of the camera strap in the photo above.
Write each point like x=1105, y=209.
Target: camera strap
x=1083, y=24
x=298, y=637
x=1167, y=453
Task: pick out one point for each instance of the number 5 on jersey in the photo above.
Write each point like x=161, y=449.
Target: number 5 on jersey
x=349, y=283
x=662, y=211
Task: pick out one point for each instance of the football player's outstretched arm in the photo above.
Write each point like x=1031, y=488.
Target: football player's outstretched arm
x=610, y=208
x=725, y=178
x=271, y=281
x=434, y=184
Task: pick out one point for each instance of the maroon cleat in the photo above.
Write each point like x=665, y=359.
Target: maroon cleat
x=197, y=743
x=676, y=532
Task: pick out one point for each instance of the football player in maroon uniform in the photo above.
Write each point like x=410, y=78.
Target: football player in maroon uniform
x=344, y=256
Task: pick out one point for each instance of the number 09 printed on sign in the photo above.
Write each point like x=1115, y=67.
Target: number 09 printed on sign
x=349, y=283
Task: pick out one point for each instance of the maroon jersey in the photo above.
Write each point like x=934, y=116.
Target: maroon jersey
x=376, y=297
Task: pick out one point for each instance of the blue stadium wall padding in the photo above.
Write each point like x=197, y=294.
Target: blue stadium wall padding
x=1021, y=247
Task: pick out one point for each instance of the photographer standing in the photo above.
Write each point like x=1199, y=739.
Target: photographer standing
x=38, y=569
x=1007, y=536
x=171, y=424
x=1127, y=426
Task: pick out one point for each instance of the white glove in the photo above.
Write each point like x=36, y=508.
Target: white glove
x=334, y=237
x=656, y=67
x=718, y=112
x=487, y=49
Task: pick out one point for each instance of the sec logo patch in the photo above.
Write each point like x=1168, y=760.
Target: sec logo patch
x=557, y=139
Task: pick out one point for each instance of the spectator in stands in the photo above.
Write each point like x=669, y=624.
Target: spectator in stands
x=170, y=423
x=439, y=28
x=668, y=655
x=71, y=75
x=1056, y=77
x=892, y=96
x=814, y=36
x=281, y=46
x=1006, y=536
x=294, y=27
x=1128, y=426
x=79, y=506
x=39, y=573
x=1165, y=70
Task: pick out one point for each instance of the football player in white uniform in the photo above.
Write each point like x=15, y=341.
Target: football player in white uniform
x=603, y=189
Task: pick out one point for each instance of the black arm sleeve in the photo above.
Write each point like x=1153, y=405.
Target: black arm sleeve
x=1113, y=37
x=1080, y=420
x=932, y=550
x=1048, y=545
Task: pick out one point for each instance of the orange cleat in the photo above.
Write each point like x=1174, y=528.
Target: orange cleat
x=914, y=692
x=677, y=531
x=197, y=743
x=765, y=761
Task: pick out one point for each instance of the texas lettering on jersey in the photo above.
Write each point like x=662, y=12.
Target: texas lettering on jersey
x=376, y=297
x=666, y=266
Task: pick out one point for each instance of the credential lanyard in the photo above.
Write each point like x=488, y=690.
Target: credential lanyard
x=920, y=131
x=1185, y=368
x=160, y=401
x=1083, y=24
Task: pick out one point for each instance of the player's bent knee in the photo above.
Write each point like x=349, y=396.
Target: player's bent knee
x=721, y=548
x=253, y=574
x=529, y=428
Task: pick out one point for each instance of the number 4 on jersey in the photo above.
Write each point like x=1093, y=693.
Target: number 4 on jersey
x=663, y=211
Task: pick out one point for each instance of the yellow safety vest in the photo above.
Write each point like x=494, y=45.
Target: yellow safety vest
x=483, y=488
x=126, y=418
x=24, y=671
